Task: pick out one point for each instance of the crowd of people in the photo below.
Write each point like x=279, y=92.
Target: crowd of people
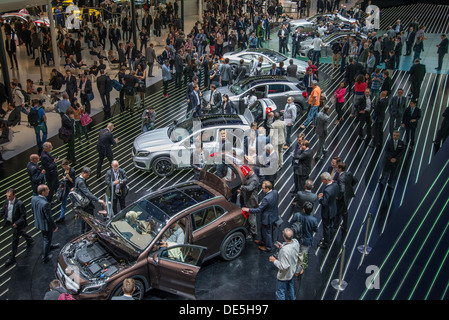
x=194, y=58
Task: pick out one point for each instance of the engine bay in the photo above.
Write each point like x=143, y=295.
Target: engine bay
x=92, y=259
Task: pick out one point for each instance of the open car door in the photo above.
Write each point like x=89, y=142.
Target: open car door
x=176, y=268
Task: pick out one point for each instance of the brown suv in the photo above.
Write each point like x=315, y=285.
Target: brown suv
x=160, y=240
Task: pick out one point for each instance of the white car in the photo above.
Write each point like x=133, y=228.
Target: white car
x=250, y=56
x=313, y=21
x=25, y=17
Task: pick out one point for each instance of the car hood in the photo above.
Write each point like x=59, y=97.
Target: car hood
x=103, y=232
x=153, y=139
x=300, y=22
x=222, y=90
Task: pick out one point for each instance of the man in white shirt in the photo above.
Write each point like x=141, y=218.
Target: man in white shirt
x=317, y=44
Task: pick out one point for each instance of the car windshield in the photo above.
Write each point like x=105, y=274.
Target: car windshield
x=275, y=56
x=181, y=130
x=139, y=223
x=240, y=87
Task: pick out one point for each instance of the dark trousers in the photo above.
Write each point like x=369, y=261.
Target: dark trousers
x=389, y=171
x=165, y=83
x=415, y=88
x=342, y=214
x=327, y=227
x=364, y=119
x=122, y=100
x=267, y=236
x=85, y=102
x=53, y=184
x=102, y=153
x=410, y=135
x=106, y=101
x=71, y=149
x=121, y=200
x=16, y=234
x=339, y=109
x=178, y=79
x=47, y=237
x=300, y=182
x=395, y=122
x=378, y=133
x=440, y=60
x=90, y=210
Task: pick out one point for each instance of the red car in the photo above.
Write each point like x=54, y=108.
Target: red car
x=160, y=240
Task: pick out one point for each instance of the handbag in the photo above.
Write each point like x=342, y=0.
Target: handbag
x=90, y=96
x=61, y=192
x=85, y=119
x=78, y=200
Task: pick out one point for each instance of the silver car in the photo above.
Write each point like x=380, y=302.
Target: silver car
x=306, y=49
x=275, y=88
x=313, y=21
x=250, y=56
x=166, y=149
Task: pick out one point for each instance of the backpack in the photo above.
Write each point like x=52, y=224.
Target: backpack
x=33, y=117
x=297, y=228
x=26, y=96
x=65, y=296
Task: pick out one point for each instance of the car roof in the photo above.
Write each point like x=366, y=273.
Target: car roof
x=220, y=120
x=266, y=79
x=178, y=198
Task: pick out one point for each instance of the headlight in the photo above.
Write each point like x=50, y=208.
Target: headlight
x=143, y=153
x=93, y=287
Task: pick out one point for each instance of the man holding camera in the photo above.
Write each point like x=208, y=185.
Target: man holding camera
x=116, y=183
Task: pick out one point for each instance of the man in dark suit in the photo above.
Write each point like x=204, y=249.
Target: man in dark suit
x=417, y=73
x=51, y=169
x=328, y=200
x=307, y=195
x=344, y=54
x=104, y=146
x=36, y=173
x=43, y=220
x=396, y=108
x=268, y=211
x=104, y=86
x=82, y=187
x=410, y=121
x=117, y=180
x=15, y=216
x=195, y=102
x=215, y=99
x=71, y=86
x=378, y=119
x=409, y=41
x=333, y=168
x=302, y=165
x=248, y=198
x=394, y=151
x=351, y=73
x=346, y=182
x=442, y=50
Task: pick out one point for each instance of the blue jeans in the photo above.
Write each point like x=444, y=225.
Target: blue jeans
x=311, y=116
x=147, y=126
x=285, y=289
x=64, y=204
x=316, y=57
x=42, y=127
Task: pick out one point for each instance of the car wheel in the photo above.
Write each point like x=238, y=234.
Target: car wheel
x=163, y=166
x=137, y=294
x=233, y=246
x=310, y=54
x=299, y=108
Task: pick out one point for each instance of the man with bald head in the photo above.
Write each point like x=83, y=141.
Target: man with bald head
x=116, y=183
x=36, y=173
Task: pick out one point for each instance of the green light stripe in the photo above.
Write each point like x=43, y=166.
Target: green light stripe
x=403, y=231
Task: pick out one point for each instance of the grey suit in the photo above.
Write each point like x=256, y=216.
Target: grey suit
x=120, y=194
x=322, y=121
x=346, y=183
x=396, y=109
x=328, y=209
x=303, y=196
x=150, y=56
x=43, y=221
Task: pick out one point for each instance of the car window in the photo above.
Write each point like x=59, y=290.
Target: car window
x=219, y=211
x=260, y=91
x=247, y=56
x=184, y=254
x=203, y=217
x=276, y=88
x=172, y=202
x=256, y=110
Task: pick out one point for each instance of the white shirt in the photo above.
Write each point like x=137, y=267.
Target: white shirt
x=317, y=42
x=10, y=207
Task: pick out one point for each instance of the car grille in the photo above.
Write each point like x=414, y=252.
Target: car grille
x=66, y=281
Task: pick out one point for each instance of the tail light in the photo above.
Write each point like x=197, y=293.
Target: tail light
x=304, y=94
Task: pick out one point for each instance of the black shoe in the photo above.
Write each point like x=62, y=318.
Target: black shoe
x=30, y=244
x=47, y=258
x=9, y=262
x=55, y=246
x=60, y=219
x=323, y=246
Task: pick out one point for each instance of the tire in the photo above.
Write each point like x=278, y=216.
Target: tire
x=310, y=54
x=162, y=166
x=137, y=294
x=232, y=246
